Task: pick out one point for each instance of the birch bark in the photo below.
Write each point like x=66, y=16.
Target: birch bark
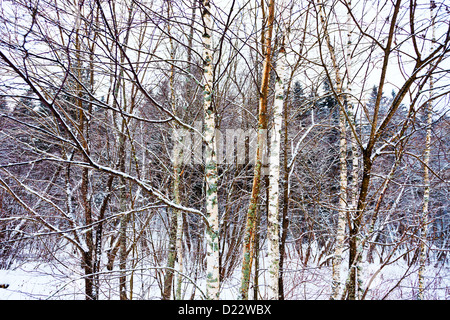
x=172, y=256
x=426, y=175
x=273, y=233
x=351, y=110
x=212, y=210
x=250, y=228
x=353, y=154
x=179, y=237
x=342, y=211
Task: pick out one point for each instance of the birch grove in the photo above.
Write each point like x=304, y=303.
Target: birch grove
x=204, y=149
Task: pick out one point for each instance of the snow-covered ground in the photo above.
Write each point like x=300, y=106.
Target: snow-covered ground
x=31, y=281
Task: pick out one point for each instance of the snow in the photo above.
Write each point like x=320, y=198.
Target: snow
x=37, y=282
x=395, y=281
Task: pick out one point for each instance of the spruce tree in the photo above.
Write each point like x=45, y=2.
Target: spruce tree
x=26, y=104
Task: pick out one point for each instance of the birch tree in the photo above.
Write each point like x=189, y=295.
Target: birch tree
x=426, y=174
x=342, y=211
x=273, y=228
x=92, y=182
x=250, y=229
x=212, y=206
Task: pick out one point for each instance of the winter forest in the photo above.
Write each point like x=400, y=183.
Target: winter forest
x=211, y=149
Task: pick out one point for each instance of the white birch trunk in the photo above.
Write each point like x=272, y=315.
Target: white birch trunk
x=340, y=230
x=212, y=210
x=426, y=176
x=273, y=233
x=179, y=246
x=342, y=211
x=178, y=159
x=177, y=162
x=426, y=199
x=351, y=110
x=354, y=154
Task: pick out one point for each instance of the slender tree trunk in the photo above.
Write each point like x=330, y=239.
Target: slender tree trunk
x=179, y=241
x=284, y=218
x=89, y=253
x=123, y=224
x=256, y=253
x=352, y=280
x=98, y=229
x=178, y=223
x=273, y=229
x=353, y=154
x=250, y=228
x=426, y=175
x=123, y=205
x=212, y=209
x=177, y=168
x=123, y=245
x=118, y=83
x=351, y=111
x=342, y=211
x=168, y=278
x=173, y=223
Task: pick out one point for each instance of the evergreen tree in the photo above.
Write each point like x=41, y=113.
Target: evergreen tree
x=328, y=106
x=3, y=104
x=26, y=104
x=299, y=104
x=298, y=96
